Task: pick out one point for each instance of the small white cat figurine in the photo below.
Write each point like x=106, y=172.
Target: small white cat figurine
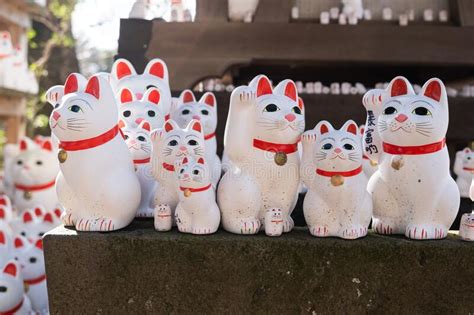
x=34, y=172
x=204, y=110
x=139, y=143
x=464, y=169
x=413, y=192
x=6, y=52
x=97, y=185
x=148, y=108
x=337, y=202
x=31, y=259
x=155, y=75
x=170, y=144
x=353, y=8
x=13, y=300
x=197, y=210
x=33, y=224
x=368, y=166
x=261, y=141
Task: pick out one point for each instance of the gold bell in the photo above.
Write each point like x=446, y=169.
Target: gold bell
x=27, y=287
x=373, y=163
x=62, y=156
x=337, y=180
x=187, y=192
x=280, y=158
x=27, y=194
x=396, y=165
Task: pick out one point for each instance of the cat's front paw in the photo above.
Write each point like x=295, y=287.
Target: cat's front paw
x=202, y=230
x=67, y=219
x=319, y=231
x=426, y=231
x=288, y=224
x=249, y=226
x=354, y=232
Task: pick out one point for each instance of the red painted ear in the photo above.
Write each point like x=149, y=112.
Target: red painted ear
x=399, y=87
x=126, y=96
x=2, y=213
x=210, y=100
x=3, y=201
x=201, y=161
x=39, y=244
x=300, y=103
x=93, y=87
x=196, y=125
x=38, y=212
x=361, y=130
x=188, y=97
x=157, y=69
x=18, y=242
x=185, y=160
x=290, y=90
x=123, y=70
x=264, y=87
x=168, y=126
x=2, y=238
x=121, y=124
x=154, y=96
x=27, y=217
x=23, y=145
x=47, y=145
x=71, y=85
x=48, y=218
x=146, y=126
x=324, y=129
x=10, y=269
x=57, y=212
x=433, y=90
x=352, y=128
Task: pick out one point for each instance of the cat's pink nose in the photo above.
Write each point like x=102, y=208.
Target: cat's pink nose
x=338, y=150
x=290, y=117
x=56, y=115
x=196, y=117
x=186, y=176
x=182, y=148
x=139, y=96
x=401, y=118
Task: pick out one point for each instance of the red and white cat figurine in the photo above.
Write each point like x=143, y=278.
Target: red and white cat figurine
x=464, y=169
x=261, y=141
x=149, y=107
x=13, y=300
x=97, y=185
x=33, y=224
x=413, y=192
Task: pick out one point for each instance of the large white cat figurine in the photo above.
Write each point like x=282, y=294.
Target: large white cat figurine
x=31, y=259
x=170, y=144
x=197, y=210
x=412, y=191
x=464, y=169
x=261, y=140
x=155, y=75
x=139, y=143
x=337, y=202
x=34, y=172
x=97, y=185
x=204, y=110
x=13, y=300
x=148, y=108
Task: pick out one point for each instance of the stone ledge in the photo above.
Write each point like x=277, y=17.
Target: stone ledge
x=138, y=270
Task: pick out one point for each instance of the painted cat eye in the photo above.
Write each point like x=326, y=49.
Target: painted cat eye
x=327, y=146
x=173, y=143
x=196, y=172
x=182, y=171
x=421, y=111
x=56, y=106
x=205, y=112
x=185, y=112
x=127, y=113
x=19, y=162
x=348, y=146
x=3, y=289
x=32, y=260
x=151, y=113
x=75, y=108
x=23, y=233
x=39, y=162
x=192, y=142
x=390, y=110
x=296, y=110
x=141, y=138
x=271, y=108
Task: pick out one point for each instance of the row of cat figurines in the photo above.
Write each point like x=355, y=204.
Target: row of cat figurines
x=411, y=193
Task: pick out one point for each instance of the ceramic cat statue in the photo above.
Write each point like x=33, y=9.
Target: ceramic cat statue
x=97, y=185
x=155, y=75
x=6, y=249
x=337, y=202
x=139, y=144
x=263, y=128
x=6, y=210
x=6, y=51
x=148, y=108
x=466, y=227
x=353, y=8
x=412, y=190
x=33, y=224
x=368, y=166
x=169, y=145
x=204, y=110
x=13, y=300
x=34, y=172
x=242, y=10
x=464, y=169
x=31, y=259
x=197, y=210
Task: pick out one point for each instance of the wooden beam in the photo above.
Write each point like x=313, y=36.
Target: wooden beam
x=463, y=12
x=15, y=129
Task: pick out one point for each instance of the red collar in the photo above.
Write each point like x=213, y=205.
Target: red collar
x=275, y=147
x=196, y=189
x=35, y=280
x=36, y=187
x=209, y=136
x=414, y=150
x=468, y=169
x=168, y=167
x=333, y=173
x=91, y=142
x=142, y=161
x=13, y=310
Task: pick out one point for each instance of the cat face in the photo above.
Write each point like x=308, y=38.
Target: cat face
x=6, y=47
x=11, y=286
x=123, y=75
x=192, y=173
x=467, y=159
x=30, y=257
x=337, y=150
x=138, y=139
x=409, y=119
x=204, y=110
x=148, y=108
x=84, y=114
x=279, y=115
x=33, y=224
x=177, y=142
x=36, y=164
